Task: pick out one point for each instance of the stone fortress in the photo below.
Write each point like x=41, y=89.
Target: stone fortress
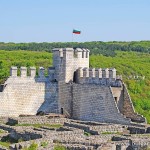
x=71, y=88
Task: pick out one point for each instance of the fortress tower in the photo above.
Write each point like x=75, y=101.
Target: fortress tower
x=67, y=60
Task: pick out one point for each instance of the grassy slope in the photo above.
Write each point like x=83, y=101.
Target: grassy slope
x=129, y=64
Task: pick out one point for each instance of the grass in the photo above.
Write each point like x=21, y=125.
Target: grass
x=59, y=147
x=119, y=133
x=2, y=131
x=6, y=141
x=5, y=144
x=44, y=144
x=87, y=133
x=41, y=125
x=33, y=146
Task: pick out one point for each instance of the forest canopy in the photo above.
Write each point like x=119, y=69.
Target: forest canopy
x=96, y=47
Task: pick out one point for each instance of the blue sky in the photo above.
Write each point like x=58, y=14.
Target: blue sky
x=54, y=20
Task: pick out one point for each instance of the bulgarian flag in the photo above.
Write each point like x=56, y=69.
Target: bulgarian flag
x=76, y=31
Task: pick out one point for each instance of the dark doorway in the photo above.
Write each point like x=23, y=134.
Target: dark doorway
x=62, y=111
x=75, y=77
x=115, y=99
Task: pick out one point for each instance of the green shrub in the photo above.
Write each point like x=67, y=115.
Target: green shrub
x=44, y=144
x=87, y=133
x=59, y=147
x=33, y=146
x=2, y=131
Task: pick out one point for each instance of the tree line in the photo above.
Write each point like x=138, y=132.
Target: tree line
x=96, y=47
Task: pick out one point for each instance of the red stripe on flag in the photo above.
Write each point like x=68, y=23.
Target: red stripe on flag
x=76, y=32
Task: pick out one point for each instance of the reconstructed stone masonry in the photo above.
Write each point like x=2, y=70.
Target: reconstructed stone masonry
x=71, y=88
x=26, y=95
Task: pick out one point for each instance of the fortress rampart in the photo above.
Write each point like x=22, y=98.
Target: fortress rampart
x=70, y=88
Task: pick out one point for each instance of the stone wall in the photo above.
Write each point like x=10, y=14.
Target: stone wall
x=37, y=120
x=95, y=103
x=73, y=133
x=26, y=95
x=26, y=144
x=65, y=99
x=3, y=120
x=25, y=134
x=97, y=129
x=128, y=109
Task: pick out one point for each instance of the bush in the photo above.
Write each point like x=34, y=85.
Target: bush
x=59, y=147
x=33, y=146
x=44, y=144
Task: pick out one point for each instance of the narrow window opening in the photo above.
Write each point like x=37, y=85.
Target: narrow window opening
x=62, y=111
x=86, y=54
x=82, y=54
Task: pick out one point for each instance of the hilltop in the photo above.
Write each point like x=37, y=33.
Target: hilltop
x=134, y=66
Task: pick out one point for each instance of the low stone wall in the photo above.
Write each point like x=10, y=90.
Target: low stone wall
x=141, y=142
x=25, y=144
x=137, y=130
x=25, y=134
x=107, y=128
x=72, y=134
x=2, y=135
x=3, y=148
x=3, y=120
x=6, y=128
x=122, y=145
x=37, y=120
x=96, y=129
x=78, y=147
x=79, y=126
x=107, y=146
x=148, y=130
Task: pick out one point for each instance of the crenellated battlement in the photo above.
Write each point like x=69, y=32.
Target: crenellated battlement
x=32, y=72
x=97, y=73
x=105, y=76
x=77, y=52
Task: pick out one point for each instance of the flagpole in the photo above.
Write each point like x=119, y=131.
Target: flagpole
x=72, y=35
x=72, y=38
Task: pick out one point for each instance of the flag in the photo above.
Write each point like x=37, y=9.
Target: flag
x=76, y=31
